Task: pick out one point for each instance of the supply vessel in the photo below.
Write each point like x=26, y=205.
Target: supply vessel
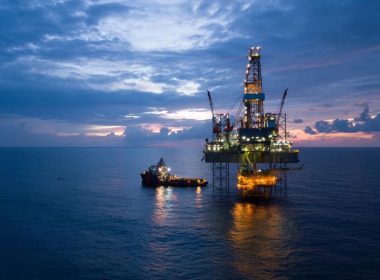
x=158, y=175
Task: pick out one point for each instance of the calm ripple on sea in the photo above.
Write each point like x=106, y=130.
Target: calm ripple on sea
x=81, y=213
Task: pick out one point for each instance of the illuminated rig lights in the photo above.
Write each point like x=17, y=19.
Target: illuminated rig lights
x=253, y=137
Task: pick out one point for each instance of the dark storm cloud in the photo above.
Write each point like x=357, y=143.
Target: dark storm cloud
x=363, y=123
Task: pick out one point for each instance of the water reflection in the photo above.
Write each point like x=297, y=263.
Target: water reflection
x=164, y=241
x=198, y=197
x=164, y=200
x=258, y=239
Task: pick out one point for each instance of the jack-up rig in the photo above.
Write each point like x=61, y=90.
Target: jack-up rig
x=256, y=141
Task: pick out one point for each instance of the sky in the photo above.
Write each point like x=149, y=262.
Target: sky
x=135, y=73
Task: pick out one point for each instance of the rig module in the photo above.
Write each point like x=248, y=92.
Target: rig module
x=255, y=140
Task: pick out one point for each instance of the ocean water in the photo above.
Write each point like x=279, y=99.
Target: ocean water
x=81, y=213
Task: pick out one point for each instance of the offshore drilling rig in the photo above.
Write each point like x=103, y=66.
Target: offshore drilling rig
x=256, y=141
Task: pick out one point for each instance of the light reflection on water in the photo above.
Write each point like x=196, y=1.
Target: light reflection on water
x=83, y=214
x=257, y=237
x=198, y=197
x=164, y=200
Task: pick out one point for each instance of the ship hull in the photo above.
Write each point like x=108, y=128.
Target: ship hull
x=152, y=181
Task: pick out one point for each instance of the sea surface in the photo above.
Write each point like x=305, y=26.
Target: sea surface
x=81, y=213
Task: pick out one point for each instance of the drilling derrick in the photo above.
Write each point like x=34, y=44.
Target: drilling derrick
x=253, y=92
x=258, y=145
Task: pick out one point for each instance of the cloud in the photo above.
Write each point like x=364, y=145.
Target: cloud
x=137, y=135
x=199, y=131
x=188, y=88
x=298, y=120
x=337, y=139
x=153, y=25
x=33, y=132
x=185, y=114
x=114, y=62
x=109, y=75
x=309, y=130
x=167, y=26
x=336, y=125
x=364, y=116
x=363, y=123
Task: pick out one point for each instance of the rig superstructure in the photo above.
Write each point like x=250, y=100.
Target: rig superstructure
x=255, y=140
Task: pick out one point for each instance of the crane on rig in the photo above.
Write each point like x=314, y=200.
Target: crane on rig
x=220, y=122
x=282, y=105
x=211, y=103
x=216, y=124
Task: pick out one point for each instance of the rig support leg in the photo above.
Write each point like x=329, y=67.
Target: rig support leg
x=221, y=175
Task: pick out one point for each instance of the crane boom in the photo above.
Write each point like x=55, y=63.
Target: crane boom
x=211, y=103
x=282, y=105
